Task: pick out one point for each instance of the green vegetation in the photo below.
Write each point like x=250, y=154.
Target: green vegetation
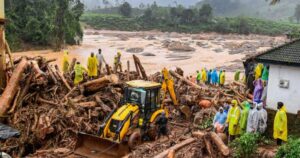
x=206, y=123
x=290, y=149
x=173, y=23
x=125, y=9
x=245, y=146
x=43, y=22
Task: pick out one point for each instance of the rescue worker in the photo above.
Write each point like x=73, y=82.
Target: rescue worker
x=101, y=60
x=252, y=122
x=92, y=66
x=79, y=71
x=219, y=77
x=204, y=75
x=66, y=62
x=258, y=70
x=222, y=78
x=244, y=116
x=237, y=75
x=262, y=117
x=258, y=90
x=162, y=125
x=214, y=77
x=219, y=121
x=198, y=78
x=264, y=93
x=280, y=124
x=209, y=76
x=117, y=62
x=265, y=74
x=233, y=120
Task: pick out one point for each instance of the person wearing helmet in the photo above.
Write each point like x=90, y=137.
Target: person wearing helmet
x=117, y=62
x=162, y=125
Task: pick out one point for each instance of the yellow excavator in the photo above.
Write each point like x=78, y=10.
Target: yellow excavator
x=125, y=128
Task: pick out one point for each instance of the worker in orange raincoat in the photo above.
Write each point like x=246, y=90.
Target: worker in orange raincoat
x=65, y=63
x=92, y=66
x=280, y=124
x=233, y=120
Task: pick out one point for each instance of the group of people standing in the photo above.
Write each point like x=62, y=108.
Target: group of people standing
x=95, y=64
x=252, y=117
x=211, y=77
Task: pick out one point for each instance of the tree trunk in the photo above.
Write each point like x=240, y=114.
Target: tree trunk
x=2, y=58
x=140, y=67
x=194, y=85
x=71, y=67
x=176, y=147
x=95, y=85
x=12, y=87
x=220, y=144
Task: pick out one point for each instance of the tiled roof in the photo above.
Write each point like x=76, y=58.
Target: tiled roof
x=288, y=54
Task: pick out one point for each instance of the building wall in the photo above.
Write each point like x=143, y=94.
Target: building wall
x=1, y=9
x=290, y=96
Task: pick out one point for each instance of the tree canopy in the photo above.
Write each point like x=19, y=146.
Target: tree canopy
x=43, y=22
x=125, y=9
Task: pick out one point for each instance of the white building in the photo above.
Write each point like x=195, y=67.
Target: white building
x=284, y=75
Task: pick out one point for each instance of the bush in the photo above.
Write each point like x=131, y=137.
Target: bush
x=289, y=150
x=245, y=146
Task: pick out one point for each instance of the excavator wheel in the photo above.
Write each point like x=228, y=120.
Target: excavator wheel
x=135, y=139
x=152, y=132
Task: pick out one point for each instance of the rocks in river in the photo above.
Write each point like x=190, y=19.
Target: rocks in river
x=148, y=54
x=177, y=46
x=135, y=50
x=150, y=37
x=218, y=50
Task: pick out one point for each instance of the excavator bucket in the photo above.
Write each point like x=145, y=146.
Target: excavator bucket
x=95, y=147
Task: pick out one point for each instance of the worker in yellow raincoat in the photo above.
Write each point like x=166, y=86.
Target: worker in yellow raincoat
x=280, y=124
x=92, y=66
x=203, y=76
x=258, y=70
x=222, y=78
x=79, y=71
x=233, y=118
x=117, y=62
x=65, y=62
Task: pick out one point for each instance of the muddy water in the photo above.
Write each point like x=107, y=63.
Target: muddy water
x=112, y=41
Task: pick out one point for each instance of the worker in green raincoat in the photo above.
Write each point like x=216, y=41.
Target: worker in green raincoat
x=280, y=124
x=198, y=78
x=65, y=63
x=79, y=71
x=233, y=118
x=237, y=75
x=265, y=74
x=244, y=116
x=92, y=66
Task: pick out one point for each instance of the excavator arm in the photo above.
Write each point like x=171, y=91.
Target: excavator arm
x=168, y=87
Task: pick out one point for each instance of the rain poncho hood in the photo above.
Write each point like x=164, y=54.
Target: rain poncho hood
x=92, y=66
x=233, y=118
x=258, y=89
x=280, y=124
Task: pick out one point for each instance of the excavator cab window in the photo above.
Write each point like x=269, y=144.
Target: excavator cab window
x=135, y=96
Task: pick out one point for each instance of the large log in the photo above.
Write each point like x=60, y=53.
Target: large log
x=87, y=104
x=220, y=144
x=141, y=68
x=176, y=147
x=194, y=85
x=38, y=72
x=95, y=85
x=62, y=78
x=104, y=107
x=8, y=51
x=12, y=87
x=209, y=146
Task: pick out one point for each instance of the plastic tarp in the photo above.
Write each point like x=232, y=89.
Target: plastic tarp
x=7, y=132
